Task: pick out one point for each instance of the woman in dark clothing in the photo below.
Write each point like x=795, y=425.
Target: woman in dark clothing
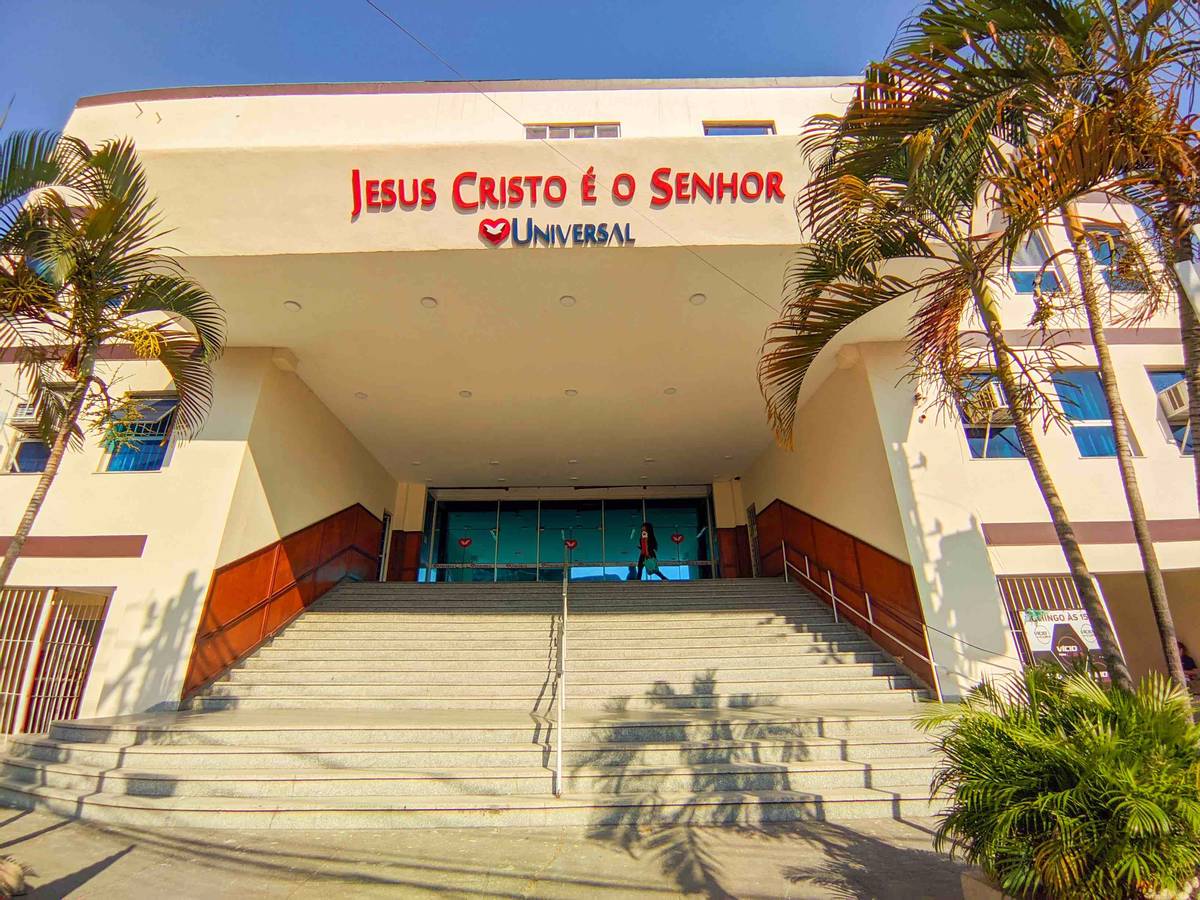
x=648, y=555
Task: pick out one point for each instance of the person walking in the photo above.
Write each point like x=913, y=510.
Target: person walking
x=648, y=555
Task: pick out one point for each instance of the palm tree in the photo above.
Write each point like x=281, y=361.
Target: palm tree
x=80, y=271
x=871, y=203
x=1075, y=92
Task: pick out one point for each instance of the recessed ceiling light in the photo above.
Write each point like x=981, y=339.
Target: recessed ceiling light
x=466, y=395
x=571, y=462
x=566, y=300
x=493, y=462
x=574, y=477
x=571, y=392
x=697, y=299
x=648, y=459
x=429, y=302
x=292, y=306
x=644, y=477
x=360, y=395
x=729, y=456
x=415, y=462
x=669, y=391
x=502, y=479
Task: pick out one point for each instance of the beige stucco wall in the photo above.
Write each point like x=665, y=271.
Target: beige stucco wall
x=157, y=598
x=299, y=464
x=838, y=470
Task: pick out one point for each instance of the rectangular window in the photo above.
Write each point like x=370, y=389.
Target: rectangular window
x=1173, y=403
x=1083, y=402
x=569, y=131
x=29, y=457
x=737, y=129
x=1027, y=263
x=1109, y=251
x=140, y=445
x=986, y=419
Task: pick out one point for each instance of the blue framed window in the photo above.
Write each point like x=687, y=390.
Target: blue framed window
x=29, y=457
x=1083, y=402
x=1108, y=248
x=988, y=430
x=1177, y=420
x=738, y=129
x=1028, y=263
x=140, y=445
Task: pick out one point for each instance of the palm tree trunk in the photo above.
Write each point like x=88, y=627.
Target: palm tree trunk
x=1082, y=578
x=1189, y=326
x=57, y=450
x=1120, y=426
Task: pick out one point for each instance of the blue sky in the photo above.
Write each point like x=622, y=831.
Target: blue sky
x=59, y=50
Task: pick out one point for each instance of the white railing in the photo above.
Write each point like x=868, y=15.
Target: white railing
x=869, y=618
x=561, y=674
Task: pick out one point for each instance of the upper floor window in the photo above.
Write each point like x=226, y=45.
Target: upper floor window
x=28, y=456
x=1110, y=250
x=1028, y=262
x=139, y=444
x=987, y=420
x=566, y=132
x=1084, y=403
x=737, y=129
x=1171, y=388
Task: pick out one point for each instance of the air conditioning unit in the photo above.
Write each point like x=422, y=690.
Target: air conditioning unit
x=1174, y=401
x=25, y=417
x=987, y=406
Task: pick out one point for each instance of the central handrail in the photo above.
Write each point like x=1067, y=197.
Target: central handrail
x=561, y=693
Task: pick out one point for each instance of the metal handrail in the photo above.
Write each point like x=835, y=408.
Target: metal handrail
x=869, y=618
x=561, y=693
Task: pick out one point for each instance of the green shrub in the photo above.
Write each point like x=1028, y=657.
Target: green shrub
x=1061, y=787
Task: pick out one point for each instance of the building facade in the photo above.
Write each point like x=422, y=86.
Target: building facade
x=470, y=323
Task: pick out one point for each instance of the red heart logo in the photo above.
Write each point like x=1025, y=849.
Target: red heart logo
x=677, y=538
x=494, y=230
x=571, y=543
x=464, y=543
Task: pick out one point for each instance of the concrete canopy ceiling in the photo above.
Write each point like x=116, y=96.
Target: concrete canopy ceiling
x=500, y=331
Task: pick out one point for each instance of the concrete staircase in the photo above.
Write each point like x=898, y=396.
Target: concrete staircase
x=434, y=705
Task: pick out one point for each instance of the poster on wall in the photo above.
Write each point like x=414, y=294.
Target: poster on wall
x=1062, y=635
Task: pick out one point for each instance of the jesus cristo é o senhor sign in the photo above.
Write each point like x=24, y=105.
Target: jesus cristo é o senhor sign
x=472, y=192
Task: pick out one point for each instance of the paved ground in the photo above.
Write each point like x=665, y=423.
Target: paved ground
x=875, y=859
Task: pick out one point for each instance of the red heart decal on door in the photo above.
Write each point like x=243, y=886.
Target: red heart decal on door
x=677, y=538
x=571, y=543
x=464, y=543
x=494, y=230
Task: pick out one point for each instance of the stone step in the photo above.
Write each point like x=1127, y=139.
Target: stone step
x=253, y=672
x=323, y=610
x=386, y=625
x=594, y=810
x=834, y=650
x=535, y=663
x=653, y=646
x=383, y=684
x=837, y=719
x=330, y=755
x=250, y=698
x=343, y=783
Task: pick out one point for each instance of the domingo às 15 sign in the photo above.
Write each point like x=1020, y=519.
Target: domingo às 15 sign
x=472, y=192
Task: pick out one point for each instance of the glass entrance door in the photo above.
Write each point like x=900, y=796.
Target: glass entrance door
x=522, y=540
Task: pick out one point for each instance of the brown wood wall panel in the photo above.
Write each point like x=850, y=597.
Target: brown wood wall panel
x=857, y=570
x=404, y=559
x=251, y=598
x=727, y=549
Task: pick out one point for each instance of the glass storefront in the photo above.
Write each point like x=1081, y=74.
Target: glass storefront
x=523, y=540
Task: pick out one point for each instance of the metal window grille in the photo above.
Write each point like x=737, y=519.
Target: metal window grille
x=48, y=639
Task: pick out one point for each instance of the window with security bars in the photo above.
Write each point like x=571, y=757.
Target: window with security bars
x=140, y=444
x=986, y=418
x=570, y=131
